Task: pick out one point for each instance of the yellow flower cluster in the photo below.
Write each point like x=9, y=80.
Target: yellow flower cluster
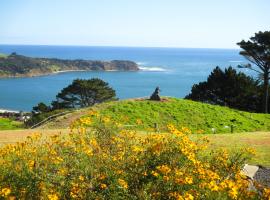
x=5, y=192
x=107, y=162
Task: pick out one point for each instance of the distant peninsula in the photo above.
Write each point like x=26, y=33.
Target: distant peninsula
x=15, y=65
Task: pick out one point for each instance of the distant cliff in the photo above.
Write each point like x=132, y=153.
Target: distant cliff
x=15, y=65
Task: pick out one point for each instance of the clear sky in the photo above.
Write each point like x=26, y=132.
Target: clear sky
x=153, y=23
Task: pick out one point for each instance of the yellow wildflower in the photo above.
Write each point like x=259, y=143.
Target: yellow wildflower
x=213, y=186
x=189, y=180
x=31, y=164
x=266, y=193
x=103, y=186
x=188, y=196
x=166, y=178
x=154, y=173
x=233, y=192
x=164, y=169
x=5, y=192
x=81, y=178
x=52, y=197
x=123, y=183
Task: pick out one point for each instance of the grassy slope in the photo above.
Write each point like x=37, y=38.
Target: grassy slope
x=8, y=124
x=194, y=115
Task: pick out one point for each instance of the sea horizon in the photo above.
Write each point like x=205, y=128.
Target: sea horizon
x=122, y=46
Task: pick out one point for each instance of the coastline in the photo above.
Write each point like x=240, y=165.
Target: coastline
x=62, y=71
x=2, y=110
x=71, y=70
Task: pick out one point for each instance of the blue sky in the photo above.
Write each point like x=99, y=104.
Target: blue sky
x=153, y=23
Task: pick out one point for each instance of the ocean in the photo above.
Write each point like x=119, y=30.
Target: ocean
x=174, y=70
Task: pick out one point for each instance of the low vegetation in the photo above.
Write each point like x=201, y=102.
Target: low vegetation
x=9, y=124
x=194, y=115
x=108, y=162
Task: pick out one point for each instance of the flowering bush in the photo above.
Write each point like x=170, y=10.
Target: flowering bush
x=106, y=162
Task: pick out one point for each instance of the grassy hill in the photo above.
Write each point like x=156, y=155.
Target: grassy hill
x=143, y=114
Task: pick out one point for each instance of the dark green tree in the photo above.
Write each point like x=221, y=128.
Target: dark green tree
x=228, y=88
x=41, y=108
x=257, y=51
x=83, y=93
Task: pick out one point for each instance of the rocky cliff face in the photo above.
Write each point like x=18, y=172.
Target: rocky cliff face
x=18, y=66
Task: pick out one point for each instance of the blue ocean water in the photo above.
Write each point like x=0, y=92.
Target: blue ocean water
x=174, y=70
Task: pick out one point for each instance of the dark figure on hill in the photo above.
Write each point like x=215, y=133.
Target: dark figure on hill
x=155, y=96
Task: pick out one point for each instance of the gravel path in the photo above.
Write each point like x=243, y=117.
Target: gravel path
x=262, y=176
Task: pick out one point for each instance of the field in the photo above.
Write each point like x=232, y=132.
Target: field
x=8, y=124
x=260, y=141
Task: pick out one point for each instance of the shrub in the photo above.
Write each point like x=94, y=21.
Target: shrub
x=107, y=162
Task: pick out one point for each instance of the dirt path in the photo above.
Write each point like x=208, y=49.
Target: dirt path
x=13, y=136
x=64, y=121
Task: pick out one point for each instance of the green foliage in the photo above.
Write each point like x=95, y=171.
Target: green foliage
x=228, y=88
x=41, y=108
x=9, y=124
x=84, y=93
x=257, y=51
x=143, y=114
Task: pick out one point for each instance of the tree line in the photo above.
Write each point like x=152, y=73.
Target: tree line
x=235, y=89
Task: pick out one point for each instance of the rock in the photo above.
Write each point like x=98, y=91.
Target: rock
x=258, y=174
x=250, y=170
x=155, y=96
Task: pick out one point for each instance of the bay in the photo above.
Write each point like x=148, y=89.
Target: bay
x=174, y=70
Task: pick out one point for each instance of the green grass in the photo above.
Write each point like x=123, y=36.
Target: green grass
x=8, y=124
x=183, y=113
x=2, y=55
x=260, y=141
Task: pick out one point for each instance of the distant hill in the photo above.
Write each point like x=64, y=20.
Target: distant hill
x=142, y=114
x=15, y=65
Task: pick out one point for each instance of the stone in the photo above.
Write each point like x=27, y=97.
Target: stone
x=155, y=96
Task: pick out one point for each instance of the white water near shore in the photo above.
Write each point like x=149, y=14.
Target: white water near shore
x=9, y=111
x=152, y=69
x=65, y=71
